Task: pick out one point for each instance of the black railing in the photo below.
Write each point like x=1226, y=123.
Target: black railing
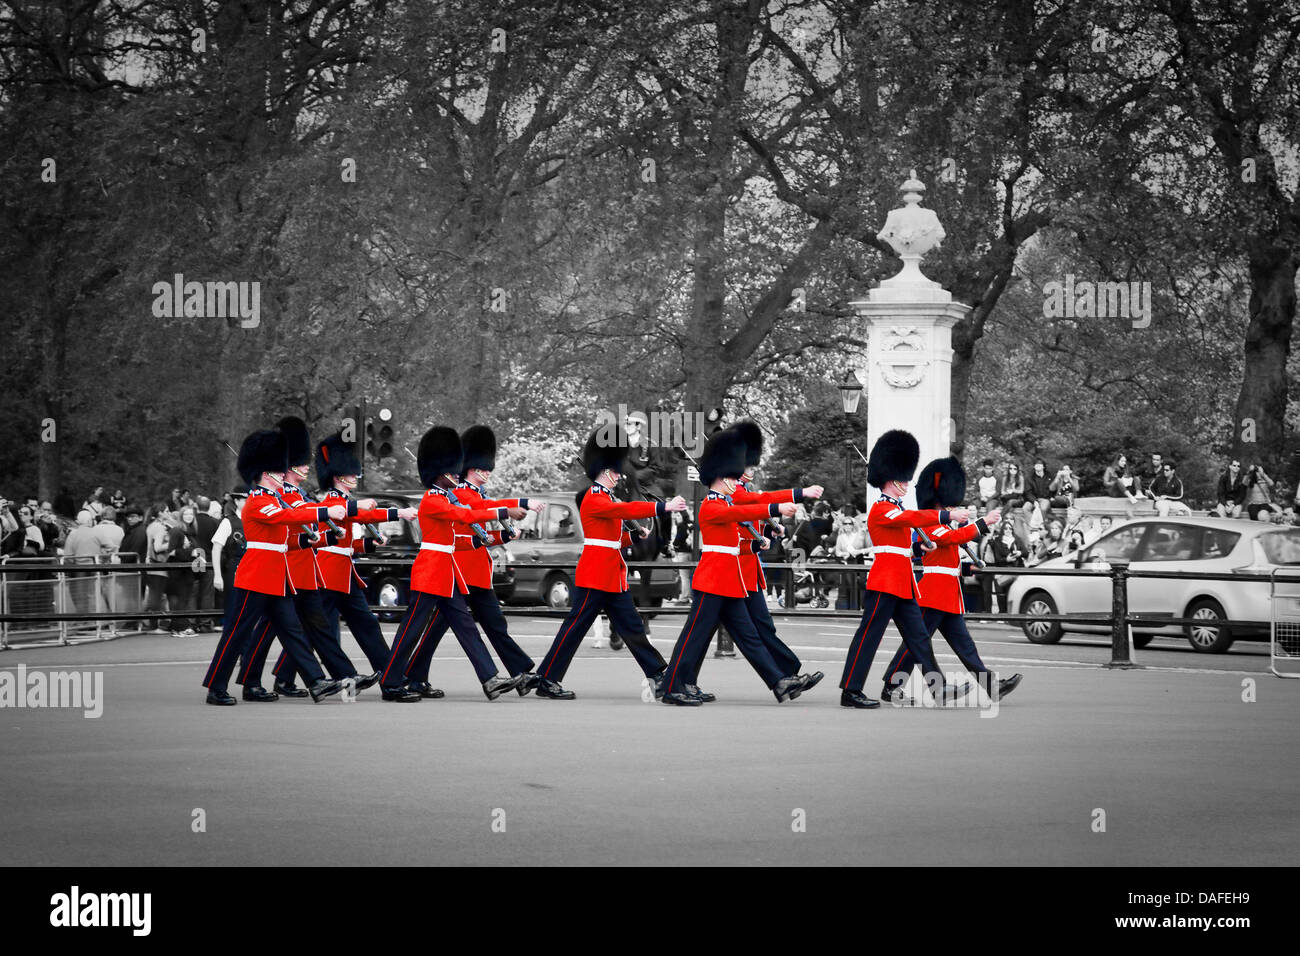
x=791, y=577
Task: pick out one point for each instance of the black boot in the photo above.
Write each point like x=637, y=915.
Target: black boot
x=424, y=689
x=494, y=687
x=221, y=699
x=527, y=681
x=261, y=695
x=787, y=688
x=289, y=690
x=855, y=698
x=370, y=680
x=811, y=680
x=553, y=691
x=324, y=688
x=694, y=690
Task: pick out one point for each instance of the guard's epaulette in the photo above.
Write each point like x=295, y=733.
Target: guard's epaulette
x=715, y=496
x=334, y=493
x=439, y=491
x=259, y=490
x=601, y=489
x=464, y=484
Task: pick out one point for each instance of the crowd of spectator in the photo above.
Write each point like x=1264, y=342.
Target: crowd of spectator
x=187, y=531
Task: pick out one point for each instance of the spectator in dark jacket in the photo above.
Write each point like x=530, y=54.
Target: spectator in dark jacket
x=1231, y=491
x=1167, y=491
x=1117, y=481
x=182, y=546
x=1038, y=490
x=1011, y=490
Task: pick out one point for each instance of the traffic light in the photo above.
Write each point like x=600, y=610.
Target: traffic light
x=379, y=434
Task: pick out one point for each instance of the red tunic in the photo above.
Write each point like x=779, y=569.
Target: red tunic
x=303, y=572
x=941, y=582
x=434, y=571
x=719, y=569
x=889, y=526
x=751, y=568
x=601, y=565
x=267, y=526
x=335, y=558
x=475, y=564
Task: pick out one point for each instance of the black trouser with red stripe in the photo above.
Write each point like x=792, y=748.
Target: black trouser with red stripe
x=244, y=612
x=361, y=621
x=486, y=611
x=422, y=613
x=584, y=605
x=322, y=638
x=878, y=609
x=706, y=611
x=953, y=628
x=787, y=661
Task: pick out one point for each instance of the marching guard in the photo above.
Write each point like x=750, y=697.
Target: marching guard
x=892, y=591
x=718, y=586
x=474, y=563
x=600, y=581
x=437, y=588
x=304, y=577
x=343, y=592
x=751, y=568
x=263, y=575
x=942, y=484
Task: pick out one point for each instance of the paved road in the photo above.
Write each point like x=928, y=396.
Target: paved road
x=1185, y=771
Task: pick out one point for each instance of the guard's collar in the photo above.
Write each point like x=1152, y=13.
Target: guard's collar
x=601, y=490
x=897, y=501
x=435, y=490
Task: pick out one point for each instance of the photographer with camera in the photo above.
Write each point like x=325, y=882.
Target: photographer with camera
x=1259, y=492
x=1064, y=488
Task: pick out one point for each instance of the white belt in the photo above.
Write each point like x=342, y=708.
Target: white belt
x=336, y=550
x=720, y=548
x=890, y=549
x=955, y=572
x=430, y=546
x=266, y=546
x=604, y=543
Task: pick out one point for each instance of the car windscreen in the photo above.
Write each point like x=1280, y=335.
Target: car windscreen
x=1281, y=546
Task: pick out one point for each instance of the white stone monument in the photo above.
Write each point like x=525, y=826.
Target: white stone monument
x=908, y=375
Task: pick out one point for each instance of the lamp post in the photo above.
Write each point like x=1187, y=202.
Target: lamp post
x=850, y=395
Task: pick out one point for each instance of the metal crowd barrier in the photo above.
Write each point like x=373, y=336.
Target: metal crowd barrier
x=41, y=600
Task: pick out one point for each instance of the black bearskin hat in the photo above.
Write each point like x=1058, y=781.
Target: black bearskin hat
x=599, y=454
x=299, y=441
x=752, y=436
x=941, y=484
x=893, y=458
x=265, y=450
x=723, y=457
x=440, y=454
x=480, y=447
x=335, y=457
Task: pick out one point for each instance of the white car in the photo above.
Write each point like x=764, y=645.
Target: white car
x=1189, y=545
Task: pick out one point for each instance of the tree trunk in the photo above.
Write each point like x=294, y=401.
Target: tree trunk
x=1259, y=428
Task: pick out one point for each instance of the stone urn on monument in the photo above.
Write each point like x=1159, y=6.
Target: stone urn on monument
x=909, y=319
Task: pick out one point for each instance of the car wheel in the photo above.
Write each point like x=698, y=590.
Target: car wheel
x=556, y=590
x=1142, y=640
x=1038, y=603
x=388, y=593
x=1208, y=635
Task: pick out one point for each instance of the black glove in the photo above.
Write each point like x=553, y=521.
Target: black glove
x=332, y=537
x=507, y=535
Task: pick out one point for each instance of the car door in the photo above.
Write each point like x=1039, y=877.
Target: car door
x=1092, y=594
x=1167, y=546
